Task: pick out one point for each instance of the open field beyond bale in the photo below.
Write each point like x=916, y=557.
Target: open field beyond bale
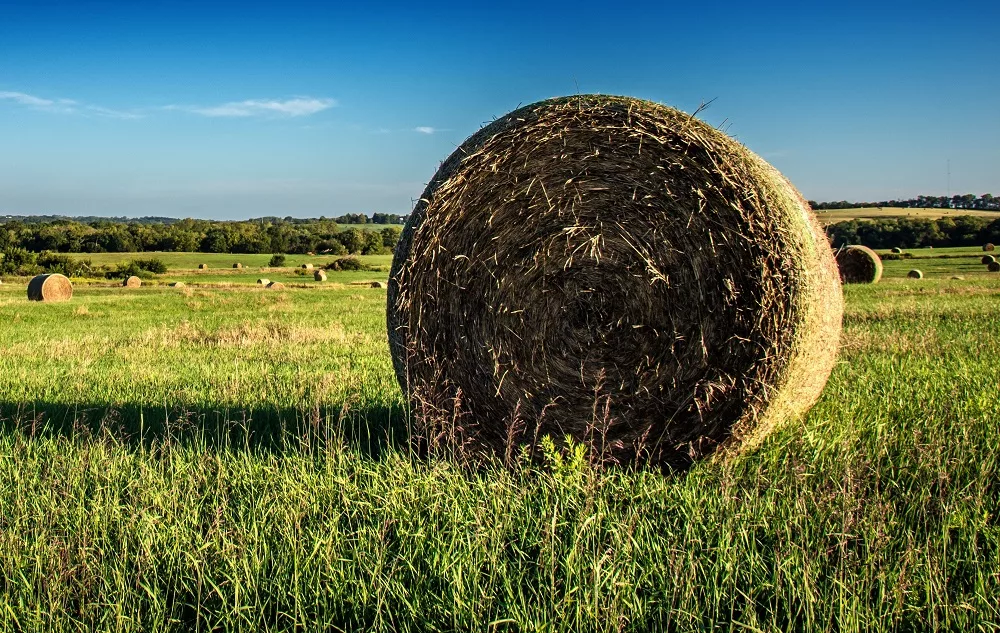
x=228, y=458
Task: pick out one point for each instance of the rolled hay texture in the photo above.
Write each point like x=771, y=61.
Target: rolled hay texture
x=263, y=281
x=988, y=246
x=319, y=275
x=613, y=270
x=132, y=282
x=307, y=266
x=988, y=259
x=50, y=288
x=859, y=265
x=237, y=265
x=994, y=267
x=276, y=285
x=377, y=284
x=915, y=274
x=177, y=284
x=897, y=250
x=202, y=266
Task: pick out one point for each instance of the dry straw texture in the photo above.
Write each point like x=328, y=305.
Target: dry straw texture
x=276, y=285
x=319, y=275
x=307, y=266
x=988, y=259
x=53, y=287
x=132, y=282
x=988, y=246
x=859, y=265
x=915, y=274
x=614, y=270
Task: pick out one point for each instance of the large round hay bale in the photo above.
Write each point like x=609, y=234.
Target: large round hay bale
x=307, y=266
x=377, y=284
x=237, y=265
x=897, y=251
x=988, y=259
x=859, y=265
x=994, y=267
x=319, y=275
x=613, y=270
x=202, y=266
x=132, y=282
x=276, y=285
x=263, y=281
x=915, y=274
x=177, y=284
x=53, y=287
x=988, y=246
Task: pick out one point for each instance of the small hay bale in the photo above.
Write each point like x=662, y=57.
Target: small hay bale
x=859, y=265
x=177, y=284
x=958, y=277
x=132, y=282
x=915, y=274
x=202, y=266
x=988, y=259
x=988, y=246
x=616, y=271
x=897, y=251
x=276, y=285
x=994, y=267
x=307, y=266
x=237, y=265
x=50, y=288
x=263, y=281
x=319, y=275
x=377, y=284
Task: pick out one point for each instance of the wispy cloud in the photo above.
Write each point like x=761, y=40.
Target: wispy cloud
x=424, y=129
x=299, y=106
x=65, y=106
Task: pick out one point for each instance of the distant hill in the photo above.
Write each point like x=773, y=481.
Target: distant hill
x=85, y=219
x=871, y=213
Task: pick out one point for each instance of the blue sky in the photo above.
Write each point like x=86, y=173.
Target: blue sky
x=236, y=110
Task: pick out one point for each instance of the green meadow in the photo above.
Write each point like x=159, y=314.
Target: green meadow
x=223, y=457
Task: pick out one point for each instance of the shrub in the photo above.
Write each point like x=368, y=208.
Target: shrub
x=347, y=263
x=277, y=261
x=153, y=265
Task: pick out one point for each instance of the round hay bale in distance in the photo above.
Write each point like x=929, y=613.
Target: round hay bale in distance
x=988, y=246
x=377, y=284
x=859, y=265
x=307, y=266
x=897, y=251
x=177, y=284
x=202, y=266
x=263, y=281
x=994, y=267
x=613, y=270
x=319, y=275
x=915, y=274
x=276, y=285
x=237, y=265
x=50, y=288
x=958, y=277
x=132, y=282
x=988, y=259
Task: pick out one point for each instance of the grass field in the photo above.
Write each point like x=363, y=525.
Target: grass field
x=839, y=215
x=220, y=457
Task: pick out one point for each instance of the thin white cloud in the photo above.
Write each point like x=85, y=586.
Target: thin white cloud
x=26, y=99
x=424, y=129
x=299, y=106
x=64, y=106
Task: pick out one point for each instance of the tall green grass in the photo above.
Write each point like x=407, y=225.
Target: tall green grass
x=231, y=460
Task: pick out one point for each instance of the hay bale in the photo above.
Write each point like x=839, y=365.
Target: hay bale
x=319, y=275
x=859, y=265
x=132, y=282
x=202, y=266
x=276, y=285
x=614, y=270
x=988, y=246
x=307, y=266
x=50, y=288
x=915, y=274
x=897, y=251
x=263, y=281
x=994, y=267
x=958, y=277
x=987, y=259
x=377, y=284
x=237, y=265
x=177, y=284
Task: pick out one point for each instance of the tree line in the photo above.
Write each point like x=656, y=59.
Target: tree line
x=266, y=235
x=961, y=230
x=985, y=202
